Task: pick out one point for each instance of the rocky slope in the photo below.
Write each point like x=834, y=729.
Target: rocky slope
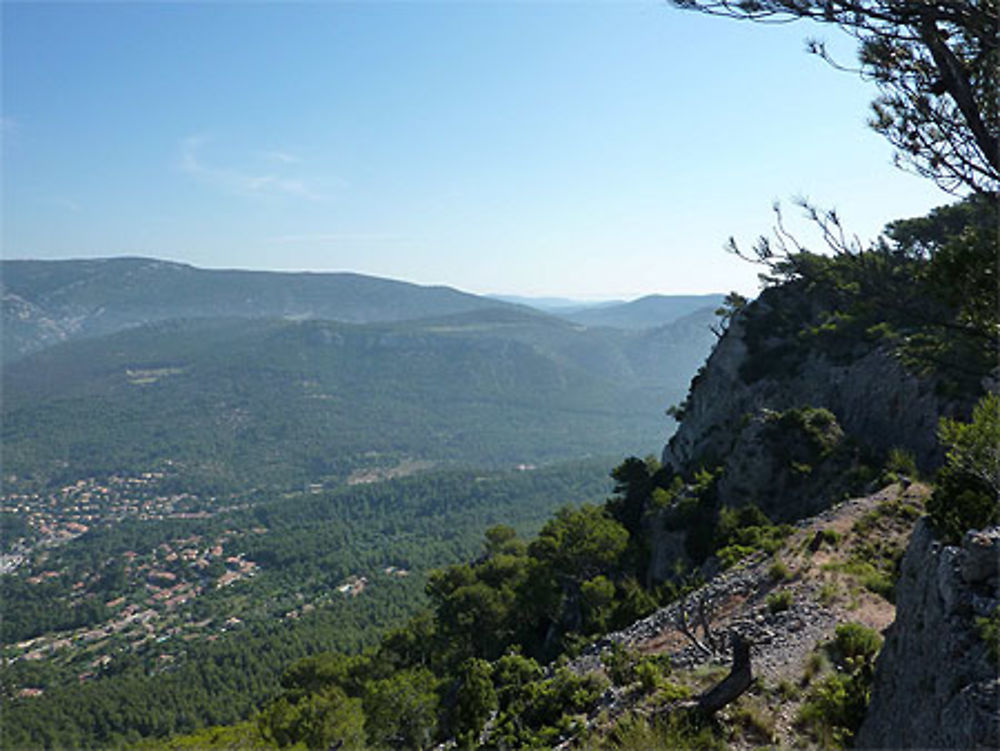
x=792, y=414
x=834, y=569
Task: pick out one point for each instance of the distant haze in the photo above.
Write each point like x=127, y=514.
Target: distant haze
x=576, y=150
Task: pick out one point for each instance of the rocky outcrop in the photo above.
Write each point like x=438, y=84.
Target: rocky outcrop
x=936, y=683
x=878, y=404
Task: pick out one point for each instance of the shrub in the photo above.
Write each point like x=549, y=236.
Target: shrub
x=754, y=718
x=730, y=555
x=818, y=424
x=835, y=707
x=475, y=701
x=967, y=495
x=815, y=664
x=676, y=731
x=741, y=531
x=989, y=632
x=899, y=463
x=779, y=571
x=871, y=578
x=779, y=601
x=786, y=690
x=536, y=712
x=854, y=641
x=651, y=673
x=620, y=662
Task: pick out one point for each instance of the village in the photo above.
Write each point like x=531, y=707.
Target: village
x=170, y=594
x=160, y=584
x=61, y=515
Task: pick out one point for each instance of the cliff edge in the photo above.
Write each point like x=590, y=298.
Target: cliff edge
x=937, y=682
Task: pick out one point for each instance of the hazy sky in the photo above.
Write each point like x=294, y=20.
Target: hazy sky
x=578, y=149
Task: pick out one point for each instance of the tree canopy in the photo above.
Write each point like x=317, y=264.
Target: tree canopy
x=937, y=68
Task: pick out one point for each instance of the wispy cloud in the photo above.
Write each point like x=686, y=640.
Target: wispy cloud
x=335, y=237
x=238, y=181
x=281, y=157
x=67, y=203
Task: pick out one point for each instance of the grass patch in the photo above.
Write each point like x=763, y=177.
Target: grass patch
x=786, y=690
x=677, y=731
x=779, y=571
x=779, y=601
x=827, y=593
x=756, y=722
x=816, y=664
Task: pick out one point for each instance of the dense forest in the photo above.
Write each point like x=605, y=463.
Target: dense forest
x=240, y=403
x=307, y=545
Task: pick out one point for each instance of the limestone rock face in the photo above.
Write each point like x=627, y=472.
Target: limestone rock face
x=782, y=469
x=876, y=401
x=936, y=685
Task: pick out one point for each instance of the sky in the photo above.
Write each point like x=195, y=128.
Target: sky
x=590, y=150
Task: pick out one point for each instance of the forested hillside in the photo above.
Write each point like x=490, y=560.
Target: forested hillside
x=46, y=302
x=239, y=403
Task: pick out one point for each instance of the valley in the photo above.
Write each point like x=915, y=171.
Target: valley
x=268, y=533
x=180, y=487
x=371, y=376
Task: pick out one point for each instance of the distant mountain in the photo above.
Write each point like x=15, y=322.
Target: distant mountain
x=45, y=302
x=241, y=402
x=559, y=305
x=646, y=312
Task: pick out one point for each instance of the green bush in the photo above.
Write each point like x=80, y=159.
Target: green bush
x=899, y=462
x=779, y=601
x=537, y=712
x=967, y=495
x=989, y=632
x=475, y=701
x=871, y=578
x=854, y=641
x=818, y=424
x=835, y=707
x=744, y=530
x=620, y=663
x=779, y=571
x=730, y=555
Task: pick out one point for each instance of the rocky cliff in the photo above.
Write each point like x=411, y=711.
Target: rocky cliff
x=937, y=684
x=761, y=369
x=790, y=418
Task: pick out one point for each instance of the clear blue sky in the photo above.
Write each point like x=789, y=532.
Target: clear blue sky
x=578, y=149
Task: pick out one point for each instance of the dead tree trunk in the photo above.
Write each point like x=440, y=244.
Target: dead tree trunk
x=734, y=684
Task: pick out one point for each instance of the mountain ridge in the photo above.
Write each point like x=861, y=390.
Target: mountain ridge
x=47, y=302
